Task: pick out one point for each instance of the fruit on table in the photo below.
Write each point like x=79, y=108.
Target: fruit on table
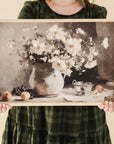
x=6, y=96
x=32, y=93
x=99, y=88
x=18, y=90
x=25, y=96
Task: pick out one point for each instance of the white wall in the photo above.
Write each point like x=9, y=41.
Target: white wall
x=9, y=9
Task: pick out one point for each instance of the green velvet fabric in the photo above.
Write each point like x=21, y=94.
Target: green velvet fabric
x=40, y=10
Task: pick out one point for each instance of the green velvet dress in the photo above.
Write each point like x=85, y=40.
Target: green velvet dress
x=62, y=124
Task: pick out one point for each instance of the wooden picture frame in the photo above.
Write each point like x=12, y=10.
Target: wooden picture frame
x=99, y=79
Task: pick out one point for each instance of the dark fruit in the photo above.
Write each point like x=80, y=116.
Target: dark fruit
x=18, y=90
x=32, y=92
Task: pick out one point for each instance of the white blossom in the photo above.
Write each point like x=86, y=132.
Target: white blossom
x=58, y=47
x=105, y=43
x=70, y=62
x=90, y=58
x=56, y=32
x=56, y=51
x=82, y=60
x=67, y=72
x=31, y=57
x=83, y=70
x=80, y=31
x=78, y=66
x=44, y=59
x=35, y=43
x=73, y=46
x=38, y=47
x=93, y=51
x=58, y=64
x=91, y=64
x=12, y=43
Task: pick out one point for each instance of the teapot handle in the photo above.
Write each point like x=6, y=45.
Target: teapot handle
x=74, y=82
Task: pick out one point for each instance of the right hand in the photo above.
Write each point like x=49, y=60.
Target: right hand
x=4, y=107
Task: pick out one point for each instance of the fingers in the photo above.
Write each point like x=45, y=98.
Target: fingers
x=102, y=106
x=107, y=106
x=4, y=108
x=111, y=107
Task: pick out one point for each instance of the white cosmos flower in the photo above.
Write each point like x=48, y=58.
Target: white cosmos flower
x=49, y=49
x=83, y=70
x=80, y=31
x=96, y=53
x=56, y=32
x=54, y=29
x=35, y=43
x=70, y=62
x=12, y=44
x=56, y=51
x=44, y=59
x=91, y=64
x=31, y=57
x=90, y=57
x=65, y=57
x=78, y=66
x=105, y=43
x=67, y=72
x=82, y=60
x=38, y=47
x=73, y=46
x=93, y=51
x=90, y=39
x=58, y=64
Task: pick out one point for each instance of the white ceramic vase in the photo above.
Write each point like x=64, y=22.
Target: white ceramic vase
x=45, y=80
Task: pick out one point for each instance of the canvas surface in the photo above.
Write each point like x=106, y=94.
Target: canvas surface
x=61, y=62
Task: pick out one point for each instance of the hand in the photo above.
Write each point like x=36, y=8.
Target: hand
x=107, y=106
x=4, y=107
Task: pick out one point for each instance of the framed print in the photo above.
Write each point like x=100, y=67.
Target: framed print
x=56, y=62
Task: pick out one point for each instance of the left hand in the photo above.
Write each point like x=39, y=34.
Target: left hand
x=107, y=106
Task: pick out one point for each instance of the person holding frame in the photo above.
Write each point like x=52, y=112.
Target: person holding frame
x=58, y=124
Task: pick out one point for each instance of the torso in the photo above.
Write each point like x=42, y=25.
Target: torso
x=40, y=10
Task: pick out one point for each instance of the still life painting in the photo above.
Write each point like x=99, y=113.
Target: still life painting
x=56, y=63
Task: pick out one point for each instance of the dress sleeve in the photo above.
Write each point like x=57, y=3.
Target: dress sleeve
x=99, y=12
x=28, y=11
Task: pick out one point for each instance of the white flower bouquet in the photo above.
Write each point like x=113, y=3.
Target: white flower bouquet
x=59, y=48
